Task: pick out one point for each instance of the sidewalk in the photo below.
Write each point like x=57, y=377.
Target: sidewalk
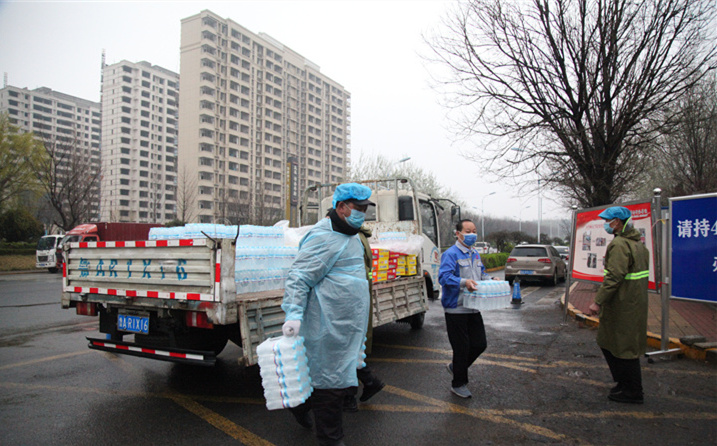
x=692, y=329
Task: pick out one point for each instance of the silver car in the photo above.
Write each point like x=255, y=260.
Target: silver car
x=535, y=262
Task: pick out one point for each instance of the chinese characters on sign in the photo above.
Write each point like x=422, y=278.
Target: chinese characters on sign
x=148, y=271
x=693, y=253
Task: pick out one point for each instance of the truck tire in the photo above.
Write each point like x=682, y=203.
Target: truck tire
x=53, y=270
x=417, y=321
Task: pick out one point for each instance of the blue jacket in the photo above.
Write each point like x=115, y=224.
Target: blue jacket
x=459, y=264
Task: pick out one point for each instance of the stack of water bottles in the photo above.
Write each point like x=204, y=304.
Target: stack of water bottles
x=489, y=295
x=284, y=372
x=262, y=261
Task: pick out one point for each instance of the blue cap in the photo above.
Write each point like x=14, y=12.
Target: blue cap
x=358, y=193
x=616, y=212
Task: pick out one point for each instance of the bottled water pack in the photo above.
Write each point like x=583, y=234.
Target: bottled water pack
x=284, y=371
x=361, y=359
x=490, y=295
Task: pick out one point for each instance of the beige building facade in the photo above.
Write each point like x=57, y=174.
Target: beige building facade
x=258, y=123
x=71, y=125
x=139, y=142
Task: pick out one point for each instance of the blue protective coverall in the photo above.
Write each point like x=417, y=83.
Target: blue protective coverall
x=328, y=292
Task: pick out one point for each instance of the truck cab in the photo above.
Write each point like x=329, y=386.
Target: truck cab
x=399, y=208
x=46, y=253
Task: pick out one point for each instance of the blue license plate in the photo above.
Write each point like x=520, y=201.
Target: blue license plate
x=133, y=324
x=526, y=272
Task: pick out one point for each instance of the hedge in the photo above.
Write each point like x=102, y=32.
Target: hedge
x=494, y=260
x=16, y=252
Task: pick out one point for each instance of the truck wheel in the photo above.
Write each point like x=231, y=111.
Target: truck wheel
x=510, y=280
x=417, y=321
x=53, y=270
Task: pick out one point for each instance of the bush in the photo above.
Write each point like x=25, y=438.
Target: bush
x=17, y=248
x=19, y=225
x=494, y=260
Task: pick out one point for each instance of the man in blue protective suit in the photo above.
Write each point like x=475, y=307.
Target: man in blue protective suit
x=326, y=300
x=461, y=268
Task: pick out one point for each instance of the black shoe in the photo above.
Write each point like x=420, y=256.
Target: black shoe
x=623, y=397
x=616, y=389
x=350, y=404
x=371, y=389
x=304, y=419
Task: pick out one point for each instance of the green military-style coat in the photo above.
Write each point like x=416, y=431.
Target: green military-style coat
x=623, y=297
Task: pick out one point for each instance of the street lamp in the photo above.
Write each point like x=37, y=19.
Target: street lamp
x=540, y=210
x=520, y=218
x=482, y=219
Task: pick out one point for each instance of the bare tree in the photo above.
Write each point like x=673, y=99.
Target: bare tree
x=18, y=153
x=69, y=179
x=575, y=91
x=369, y=167
x=186, y=195
x=689, y=151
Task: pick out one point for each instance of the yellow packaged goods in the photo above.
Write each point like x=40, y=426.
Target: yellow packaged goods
x=411, y=270
x=380, y=264
x=401, y=270
x=401, y=261
x=411, y=260
x=379, y=253
x=380, y=276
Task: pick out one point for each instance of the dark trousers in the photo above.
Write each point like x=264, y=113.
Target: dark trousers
x=365, y=377
x=327, y=405
x=625, y=372
x=466, y=334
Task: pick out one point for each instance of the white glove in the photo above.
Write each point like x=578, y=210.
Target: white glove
x=291, y=328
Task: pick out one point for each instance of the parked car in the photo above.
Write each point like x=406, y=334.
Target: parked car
x=535, y=262
x=482, y=247
x=564, y=252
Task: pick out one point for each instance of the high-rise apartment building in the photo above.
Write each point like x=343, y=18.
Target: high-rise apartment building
x=258, y=123
x=69, y=126
x=139, y=142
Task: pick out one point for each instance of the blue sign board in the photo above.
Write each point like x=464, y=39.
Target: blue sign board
x=693, y=255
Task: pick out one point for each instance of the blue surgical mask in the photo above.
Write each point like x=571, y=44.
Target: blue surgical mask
x=469, y=239
x=356, y=218
x=607, y=227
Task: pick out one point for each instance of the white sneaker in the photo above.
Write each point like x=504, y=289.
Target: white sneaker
x=462, y=391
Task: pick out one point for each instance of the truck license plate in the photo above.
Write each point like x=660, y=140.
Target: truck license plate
x=523, y=271
x=133, y=324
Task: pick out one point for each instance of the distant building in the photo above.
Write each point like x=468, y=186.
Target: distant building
x=258, y=123
x=139, y=142
x=70, y=123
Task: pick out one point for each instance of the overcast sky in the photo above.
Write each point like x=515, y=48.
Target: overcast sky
x=372, y=48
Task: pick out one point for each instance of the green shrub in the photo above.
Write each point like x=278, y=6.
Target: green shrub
x=494, y=260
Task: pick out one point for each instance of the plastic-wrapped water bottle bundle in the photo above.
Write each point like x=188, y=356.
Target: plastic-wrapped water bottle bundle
x=262, y=257
x=254, y=236
x=255, y=280
x=284, y=371
x=490, y=295
x=361, y=359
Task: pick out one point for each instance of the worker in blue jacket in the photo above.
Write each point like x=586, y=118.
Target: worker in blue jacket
x=461, y=269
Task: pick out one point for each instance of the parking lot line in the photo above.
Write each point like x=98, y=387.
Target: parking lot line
x=223, y=424
x=482, y=414
x=45, y=359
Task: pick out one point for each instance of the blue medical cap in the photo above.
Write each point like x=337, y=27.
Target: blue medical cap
x=352, y=191
x=616, y=212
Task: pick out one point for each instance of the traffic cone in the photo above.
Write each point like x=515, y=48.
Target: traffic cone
x=516, y=299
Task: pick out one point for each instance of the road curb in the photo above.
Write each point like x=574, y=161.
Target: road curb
x=653, y=340
x=39, y=271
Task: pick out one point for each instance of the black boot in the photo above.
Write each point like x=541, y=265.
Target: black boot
x=350, y=404
x=372, y=388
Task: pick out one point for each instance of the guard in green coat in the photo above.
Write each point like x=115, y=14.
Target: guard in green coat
x=621, y=303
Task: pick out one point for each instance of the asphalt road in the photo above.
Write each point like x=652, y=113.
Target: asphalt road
x=540, y=381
